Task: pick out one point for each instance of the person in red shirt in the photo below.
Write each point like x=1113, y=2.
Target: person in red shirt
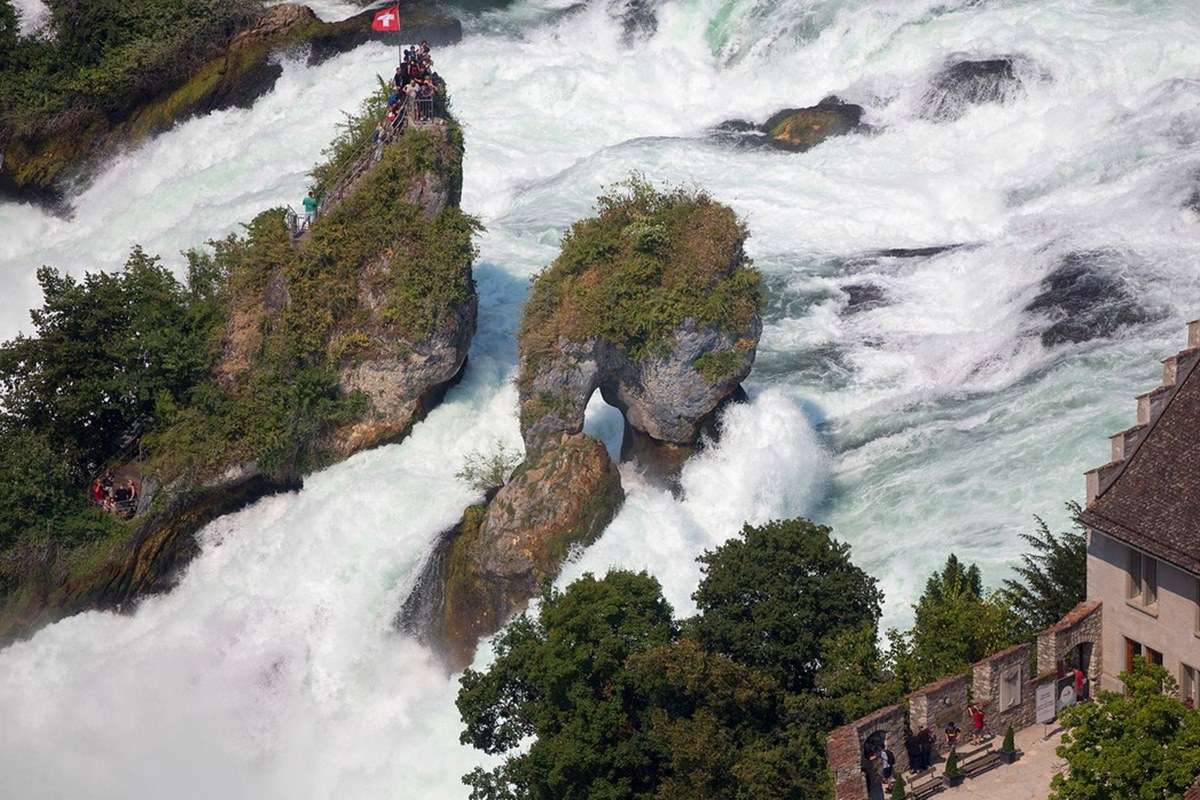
x=1080, y=684
x=976, y=721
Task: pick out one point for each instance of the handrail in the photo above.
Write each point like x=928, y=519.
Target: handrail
x=355, y=164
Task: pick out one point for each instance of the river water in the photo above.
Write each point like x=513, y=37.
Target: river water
x=931, y=418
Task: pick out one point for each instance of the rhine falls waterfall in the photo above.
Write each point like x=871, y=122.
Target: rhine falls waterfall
x=904, y=393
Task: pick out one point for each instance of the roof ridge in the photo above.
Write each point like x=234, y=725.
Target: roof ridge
x=1151, y=426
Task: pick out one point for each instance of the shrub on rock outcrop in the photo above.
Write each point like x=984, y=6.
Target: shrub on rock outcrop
x=652, y=301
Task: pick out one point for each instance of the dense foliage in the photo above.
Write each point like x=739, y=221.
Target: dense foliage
x=1052, y=576
x=103, y=55
x=646, y=262
x=773, y=598
x=603, y=695
x=1140, y=745
x=955, y=624
x=108, y=350
x=625, y=702
x=238, y=362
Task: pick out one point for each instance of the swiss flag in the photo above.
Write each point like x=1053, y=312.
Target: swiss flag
x=387, y=19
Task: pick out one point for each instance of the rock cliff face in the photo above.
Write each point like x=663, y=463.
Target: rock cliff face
x=394, y=347
x=653, y=303
x=500, y=554
x=35, y=161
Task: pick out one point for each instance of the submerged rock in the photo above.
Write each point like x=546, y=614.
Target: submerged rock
x=962, y=84
x=863, y=297
x=800, y=129
x=1082, y=299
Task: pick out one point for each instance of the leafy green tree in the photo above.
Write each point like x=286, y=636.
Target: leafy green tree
x=771, y=597
x=108, y=348
x=724, y=730
x=9, y=28
x=1140, y=745
x=558, y=677
x=954, y=626
x=1053, y=575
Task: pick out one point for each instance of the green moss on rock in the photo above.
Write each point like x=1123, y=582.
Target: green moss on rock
x=634, y=272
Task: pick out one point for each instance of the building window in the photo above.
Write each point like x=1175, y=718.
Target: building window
x=1142, y=586
x=1133, y=650
x=1189, y=686
x=1010, y=689
x=1196, y=597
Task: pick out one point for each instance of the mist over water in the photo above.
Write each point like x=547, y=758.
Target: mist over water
x=931, y=418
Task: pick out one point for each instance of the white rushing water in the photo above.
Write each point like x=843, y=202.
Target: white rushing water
x=933, y=421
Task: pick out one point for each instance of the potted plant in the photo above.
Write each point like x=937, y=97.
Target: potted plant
x=952, y=775
x=898, y=792
x=1008, y=748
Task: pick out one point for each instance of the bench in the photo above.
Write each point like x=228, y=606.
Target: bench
x=923, y=784
x=978, y=761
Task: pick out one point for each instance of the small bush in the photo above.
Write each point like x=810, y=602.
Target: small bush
x=898, y=788
x=952, y=770
x=1009, y=745
x=485, y=472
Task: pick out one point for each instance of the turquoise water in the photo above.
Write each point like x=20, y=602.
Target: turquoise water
x=931, y=422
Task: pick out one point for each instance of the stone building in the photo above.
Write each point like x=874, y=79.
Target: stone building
x=1143, y=519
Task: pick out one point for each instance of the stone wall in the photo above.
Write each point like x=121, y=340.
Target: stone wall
x=844, y=750
x=936, y=704
x=1082, y=624
x=987, y=686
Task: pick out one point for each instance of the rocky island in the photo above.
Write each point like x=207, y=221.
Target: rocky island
x=280, y=355
x=653, y=303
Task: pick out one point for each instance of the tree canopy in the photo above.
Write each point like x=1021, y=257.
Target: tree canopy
x=1140, y=745
x=955, y=624
x=772, y=597
x=625, y=702
x=1052, y=575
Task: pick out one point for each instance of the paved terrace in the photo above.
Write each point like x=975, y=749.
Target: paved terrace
x=1026, y=779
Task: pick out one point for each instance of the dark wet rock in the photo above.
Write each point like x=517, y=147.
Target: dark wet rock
x=962, y=84
x=799, y=129
x=916, y=252
x=1193, y=201
x=863, y=297
x=1083, y=299
x=638, y=19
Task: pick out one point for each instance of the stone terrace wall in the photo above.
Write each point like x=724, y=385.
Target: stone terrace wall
x=989, y=676
x=936, y=704
x=844, y=750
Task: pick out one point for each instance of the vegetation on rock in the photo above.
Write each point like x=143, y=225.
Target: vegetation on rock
x=633, y=273
x=233, y=371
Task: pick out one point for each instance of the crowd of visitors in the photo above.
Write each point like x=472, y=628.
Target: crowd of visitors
x=115, y=497
x=411, y=97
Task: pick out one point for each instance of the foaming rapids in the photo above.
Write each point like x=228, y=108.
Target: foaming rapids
x=904, y=391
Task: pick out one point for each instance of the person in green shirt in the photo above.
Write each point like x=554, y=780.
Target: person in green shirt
x=310, y=209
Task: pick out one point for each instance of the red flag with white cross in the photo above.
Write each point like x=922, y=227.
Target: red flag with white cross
x=387, y=19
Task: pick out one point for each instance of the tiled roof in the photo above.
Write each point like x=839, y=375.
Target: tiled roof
x=1151, y=500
